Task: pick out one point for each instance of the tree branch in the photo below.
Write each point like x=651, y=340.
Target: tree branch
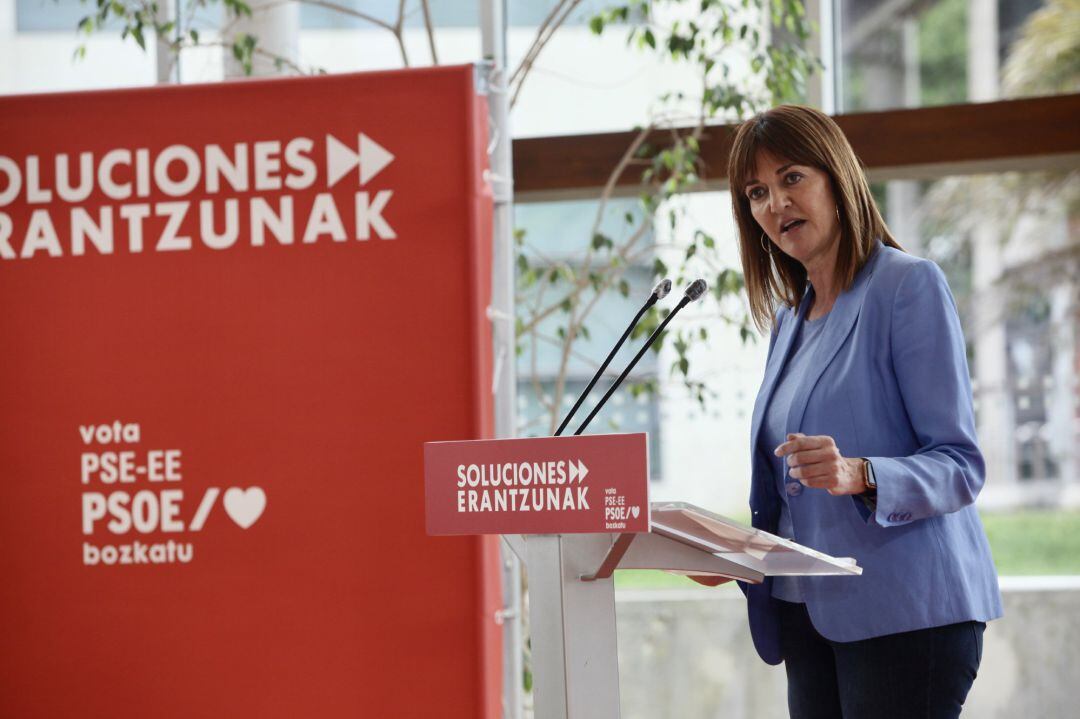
x=552, y=23
x=430, y=27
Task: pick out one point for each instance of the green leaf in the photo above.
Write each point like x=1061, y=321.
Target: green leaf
x=194, y=35
x=137, y=33
x=596, y=24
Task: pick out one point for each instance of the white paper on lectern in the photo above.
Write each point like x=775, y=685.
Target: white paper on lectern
x=749, y=547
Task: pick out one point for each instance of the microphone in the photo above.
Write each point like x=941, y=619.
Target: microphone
x=659, y=292
x=693, y=293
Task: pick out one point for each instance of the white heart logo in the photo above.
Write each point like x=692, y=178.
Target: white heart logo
x=635, y=511
x=245, y=506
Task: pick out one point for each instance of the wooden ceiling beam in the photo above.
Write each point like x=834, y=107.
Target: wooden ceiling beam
x=1030, y=133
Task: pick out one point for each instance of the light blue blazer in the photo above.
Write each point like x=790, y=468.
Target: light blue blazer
x=890, y=383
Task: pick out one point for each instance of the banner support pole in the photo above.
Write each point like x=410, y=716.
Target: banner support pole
x=493, y=24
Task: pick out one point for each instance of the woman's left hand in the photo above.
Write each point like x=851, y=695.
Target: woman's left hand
x=816, y=462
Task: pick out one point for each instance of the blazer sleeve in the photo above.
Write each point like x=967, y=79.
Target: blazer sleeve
x=929, y=359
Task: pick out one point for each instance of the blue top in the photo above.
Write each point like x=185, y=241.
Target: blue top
x=887, y=380
x=774, y=433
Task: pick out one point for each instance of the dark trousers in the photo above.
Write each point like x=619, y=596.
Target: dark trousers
x=912, y=675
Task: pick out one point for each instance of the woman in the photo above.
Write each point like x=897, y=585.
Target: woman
x=863, y=437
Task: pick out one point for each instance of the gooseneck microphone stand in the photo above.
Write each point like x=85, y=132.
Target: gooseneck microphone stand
x=659, y=292
x=694, y=292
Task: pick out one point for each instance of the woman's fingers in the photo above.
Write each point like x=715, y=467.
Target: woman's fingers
x=813, y=471
x=814, y=460
x=798, y=441
x=809, y=456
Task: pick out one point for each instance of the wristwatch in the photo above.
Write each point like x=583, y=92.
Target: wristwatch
x=868, y=477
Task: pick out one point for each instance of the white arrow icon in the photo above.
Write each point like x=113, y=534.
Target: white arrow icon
x=578, y=470
x=341, y=159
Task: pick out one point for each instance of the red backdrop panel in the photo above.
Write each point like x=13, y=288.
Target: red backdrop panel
x=297, y=379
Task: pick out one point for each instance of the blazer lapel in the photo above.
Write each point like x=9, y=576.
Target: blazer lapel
x=838, y=326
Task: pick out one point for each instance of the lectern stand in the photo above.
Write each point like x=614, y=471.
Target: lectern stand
x=575, y=509
x=572, y=593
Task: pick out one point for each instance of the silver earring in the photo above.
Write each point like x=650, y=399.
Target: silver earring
x=838, y=213
x=767, y=249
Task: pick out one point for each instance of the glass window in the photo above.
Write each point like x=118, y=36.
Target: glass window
x=699, y=452
x=1009, y=245
x=553, y=235
x=916, y=54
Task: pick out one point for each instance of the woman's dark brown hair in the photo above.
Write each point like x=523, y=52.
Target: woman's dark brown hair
x=804, y=136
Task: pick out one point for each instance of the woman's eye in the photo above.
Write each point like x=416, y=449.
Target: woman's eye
x=755, y=193
x=792, y=177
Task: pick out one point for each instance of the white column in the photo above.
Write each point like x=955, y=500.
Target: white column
x=7, y=43
x=7, y=19
x=997, y=424
x=903, y=197
x=168, y=64
x=821, y=88
x=1063, y=393
x=277, y=27
x=994, y=400
x=983, y=62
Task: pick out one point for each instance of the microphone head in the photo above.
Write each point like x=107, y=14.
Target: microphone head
x=661, y=290
x=696, y=289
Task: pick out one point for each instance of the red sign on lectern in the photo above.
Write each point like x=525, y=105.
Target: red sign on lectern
x=544, y=485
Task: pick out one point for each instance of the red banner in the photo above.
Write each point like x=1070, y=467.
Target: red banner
x=545, y=485
x=231, y=314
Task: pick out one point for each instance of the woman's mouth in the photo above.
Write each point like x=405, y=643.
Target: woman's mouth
x=791, y=226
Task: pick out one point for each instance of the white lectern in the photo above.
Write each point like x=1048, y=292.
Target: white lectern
x=572, y=593
x=575, y=509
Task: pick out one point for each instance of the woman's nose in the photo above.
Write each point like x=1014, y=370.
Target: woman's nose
x=778, y=201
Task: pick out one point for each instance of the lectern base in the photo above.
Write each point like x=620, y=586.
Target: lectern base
x=572, y=625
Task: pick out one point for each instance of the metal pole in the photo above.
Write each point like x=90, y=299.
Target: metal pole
x=168, y=66
x=493, y=23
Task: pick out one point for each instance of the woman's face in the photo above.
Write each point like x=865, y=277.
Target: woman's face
x=794, y=204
